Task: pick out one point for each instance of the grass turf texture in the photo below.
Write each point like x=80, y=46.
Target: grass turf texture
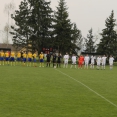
x=45, y=92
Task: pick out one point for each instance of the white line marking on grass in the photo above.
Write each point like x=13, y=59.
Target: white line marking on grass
x=88, y=88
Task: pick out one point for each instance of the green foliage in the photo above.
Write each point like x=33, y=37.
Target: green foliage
x=89, y=42
x=65, y=33
x=36, y=28
x=34, y=23
x=76, y=39
x=21, y=30
x=108, y=44
x=40, y=23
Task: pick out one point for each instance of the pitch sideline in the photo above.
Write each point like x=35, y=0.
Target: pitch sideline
x=88, y=88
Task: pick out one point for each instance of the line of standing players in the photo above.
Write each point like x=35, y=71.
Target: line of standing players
x=12, y=58
x=100, y=61
x=29, y=58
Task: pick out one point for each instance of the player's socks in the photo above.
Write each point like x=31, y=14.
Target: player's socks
x=111, y=67
x=99, y=67
x=64, y=66
x=87, y=67
x=34, y=64
x=24, y=64
x=90, y=66
x=3, y=63
x=102, y=67
x=40, y=65
x=75, y=66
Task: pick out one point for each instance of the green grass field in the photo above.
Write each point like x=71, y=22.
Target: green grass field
x=61, y=92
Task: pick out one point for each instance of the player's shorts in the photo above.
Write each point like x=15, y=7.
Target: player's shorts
x=80, y=62
x=54, y=61
x=1, y=58
x=7, y=58
x=24, y=59
x=18, y=59
x=111, y=63
x=29, y=59
x=34, y=60
x=12, y=59
x=73, y=62
x=103, y=63
x=98, y=63
x=58, y=61
x=66, y=62
x=48, y=60
x=41, y=60
x=92, y=62
x=86, y=62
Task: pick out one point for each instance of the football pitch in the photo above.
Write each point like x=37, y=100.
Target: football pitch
x=60, y=92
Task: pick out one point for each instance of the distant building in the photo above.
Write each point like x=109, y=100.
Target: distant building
x=8, y=47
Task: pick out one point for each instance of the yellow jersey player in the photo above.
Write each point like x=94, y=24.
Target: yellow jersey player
x=41, y=58
x=12, y=59
x=2, y=57
x=7, y=57
x=19, y=57
x=24, y=58
x=34, y=59
x=29, y=58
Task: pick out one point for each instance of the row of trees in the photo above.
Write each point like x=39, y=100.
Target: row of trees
x=36, y=24
x=108, y=40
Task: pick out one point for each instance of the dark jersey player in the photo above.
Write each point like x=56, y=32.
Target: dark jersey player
x=59, y=60
x=48, y=57
x=54, y=60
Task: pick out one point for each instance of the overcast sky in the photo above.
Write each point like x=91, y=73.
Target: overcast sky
x=86, y=14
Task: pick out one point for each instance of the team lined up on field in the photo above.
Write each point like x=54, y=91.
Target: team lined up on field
x=14, y=58
x=84, y=60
